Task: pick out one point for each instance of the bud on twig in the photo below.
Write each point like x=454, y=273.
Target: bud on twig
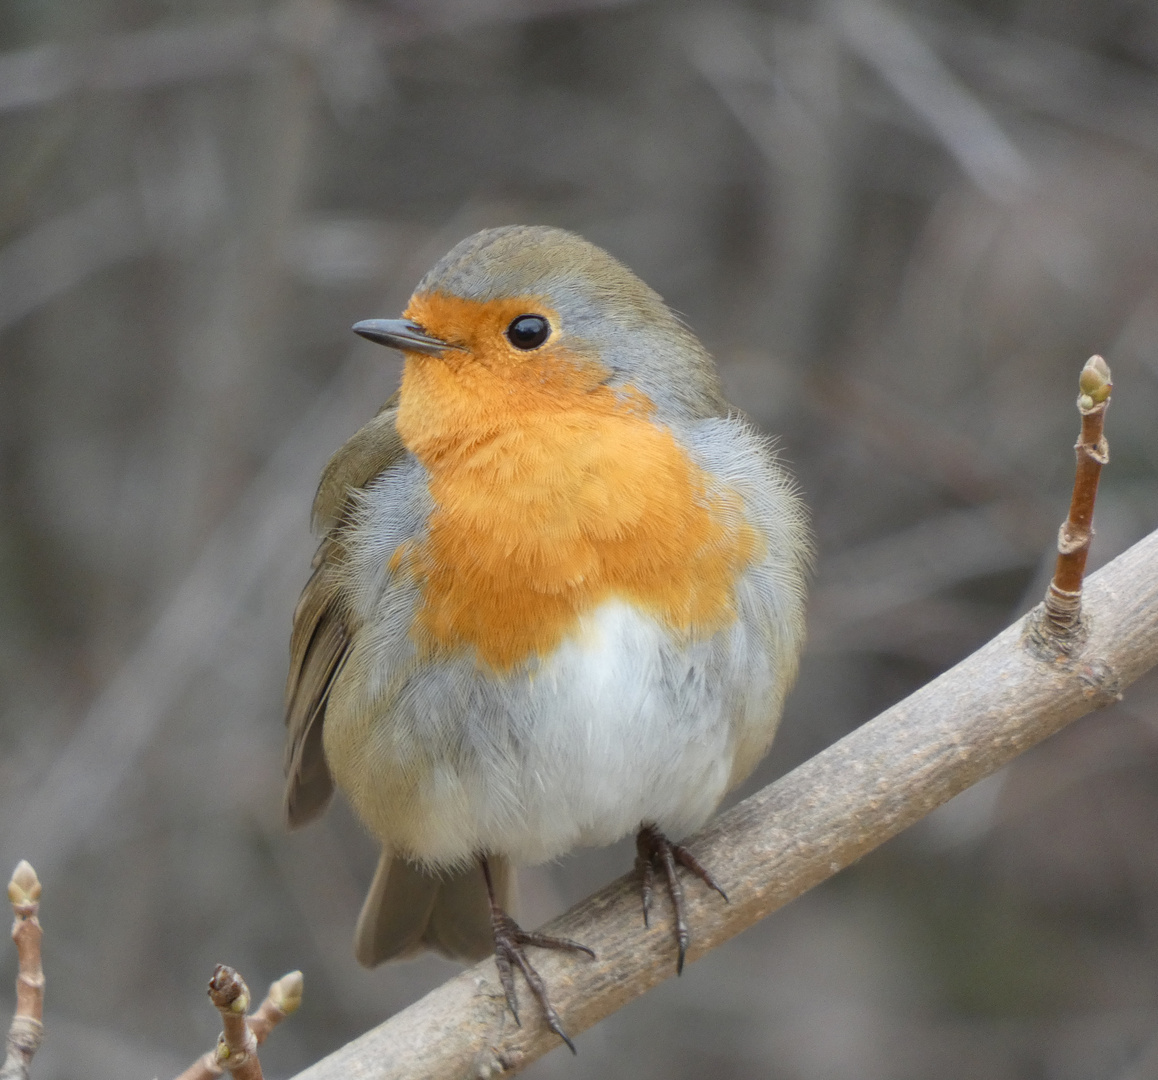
x=1061, y=625
x=27, y=1029
x=24, y=888
x=236, y=1050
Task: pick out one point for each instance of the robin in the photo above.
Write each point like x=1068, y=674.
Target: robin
x=559, y=598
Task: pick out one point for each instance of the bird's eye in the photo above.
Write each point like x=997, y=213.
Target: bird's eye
x=528, y=331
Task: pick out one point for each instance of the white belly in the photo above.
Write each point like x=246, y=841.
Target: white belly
x=620, y=726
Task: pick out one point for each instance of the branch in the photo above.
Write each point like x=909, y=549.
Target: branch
x=1063, y=600
x=790, y=836
x=169, y=55
x=961, y=120
x=27, y=1024
x=236, y=1050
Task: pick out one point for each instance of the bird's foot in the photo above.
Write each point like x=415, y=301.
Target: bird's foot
x=509, y=954
x=652, y=849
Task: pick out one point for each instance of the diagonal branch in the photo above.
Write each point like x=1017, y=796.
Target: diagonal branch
x=790, y=836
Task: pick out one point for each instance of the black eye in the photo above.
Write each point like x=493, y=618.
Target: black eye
x=528, y=331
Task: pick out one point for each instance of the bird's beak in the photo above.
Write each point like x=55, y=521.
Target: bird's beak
x=401, y=334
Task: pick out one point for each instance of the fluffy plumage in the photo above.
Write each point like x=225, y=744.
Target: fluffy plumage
x=559, y=594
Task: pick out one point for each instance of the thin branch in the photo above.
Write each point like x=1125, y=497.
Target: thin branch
x=789, y=837
x=169, y=55
x=157, y=57
x=1047, y=78
x=237, y=1046
x=961, y=121
x=236, y=1050
x=1063, y=600
x=283, y=1000
x=27, y=1024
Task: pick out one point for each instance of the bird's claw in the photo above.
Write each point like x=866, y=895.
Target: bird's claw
x=509, y=954
x=653, y=847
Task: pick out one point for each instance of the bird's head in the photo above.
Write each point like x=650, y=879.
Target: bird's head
x=542, y=308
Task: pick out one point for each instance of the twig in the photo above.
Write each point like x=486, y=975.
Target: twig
x=960, y=119
x=1046, y=78
x=236, y=1050
x=1063, y=598
x=789, y=837
x=27, y=1024
x=237, y=1046
x=169, y=55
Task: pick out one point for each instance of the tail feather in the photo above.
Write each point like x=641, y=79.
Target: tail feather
x=409, y=909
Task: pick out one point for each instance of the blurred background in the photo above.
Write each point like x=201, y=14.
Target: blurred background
x=901, y=227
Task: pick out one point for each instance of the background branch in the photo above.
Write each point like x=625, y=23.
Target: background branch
x=790, y=836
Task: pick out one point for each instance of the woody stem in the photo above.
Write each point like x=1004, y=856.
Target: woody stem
x=1063, y=598
x=27, y=1027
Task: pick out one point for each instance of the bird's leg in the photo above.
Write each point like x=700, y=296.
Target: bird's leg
x=509, y=954
x=652, y=848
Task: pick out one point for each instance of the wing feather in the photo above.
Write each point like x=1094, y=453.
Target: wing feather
x=322, y=634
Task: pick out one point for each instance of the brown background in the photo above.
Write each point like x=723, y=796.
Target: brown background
x=901, y=228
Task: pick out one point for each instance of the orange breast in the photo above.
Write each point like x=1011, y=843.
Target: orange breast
x=553, y=493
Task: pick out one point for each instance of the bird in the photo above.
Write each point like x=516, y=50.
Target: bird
x=558, y=599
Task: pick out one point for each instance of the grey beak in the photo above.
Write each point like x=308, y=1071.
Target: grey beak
x=400, y=334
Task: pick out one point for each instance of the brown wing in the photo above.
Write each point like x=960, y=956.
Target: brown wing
x=321, y=636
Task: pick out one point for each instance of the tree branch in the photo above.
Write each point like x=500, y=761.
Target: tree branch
x=790, y=836
x=241, y=1035
x=27, y=1023
x=1063, y=599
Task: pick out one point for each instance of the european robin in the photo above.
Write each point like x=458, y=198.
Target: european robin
x=559, y=598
